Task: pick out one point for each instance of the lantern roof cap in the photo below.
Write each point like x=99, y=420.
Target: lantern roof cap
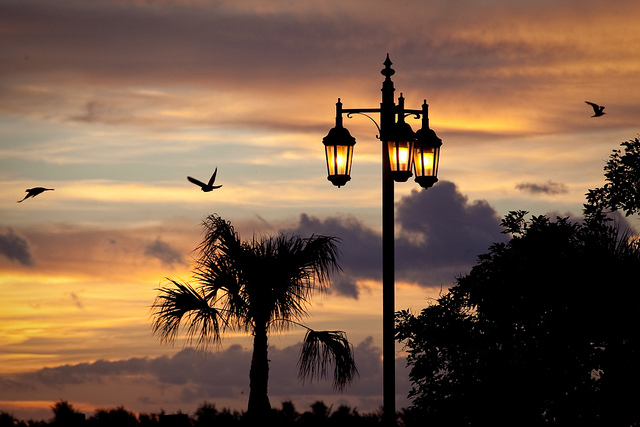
x=428, y=137
x=338, y=136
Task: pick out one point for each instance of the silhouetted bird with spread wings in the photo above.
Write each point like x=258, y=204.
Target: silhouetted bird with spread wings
x=596, y=109
x=206, y=187
x=33, y=192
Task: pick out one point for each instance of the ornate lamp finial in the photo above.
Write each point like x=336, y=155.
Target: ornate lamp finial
x=388, y=71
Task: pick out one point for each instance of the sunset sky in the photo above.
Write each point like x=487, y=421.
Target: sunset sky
x=114, y=102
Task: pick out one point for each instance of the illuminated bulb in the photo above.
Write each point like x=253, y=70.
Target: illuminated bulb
x=403, y=154
x=428, y=163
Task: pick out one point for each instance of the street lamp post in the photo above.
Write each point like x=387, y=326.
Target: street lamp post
x=402, y=151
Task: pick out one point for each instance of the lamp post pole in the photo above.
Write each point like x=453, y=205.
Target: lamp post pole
x=402, y=149
x=388, y=295
x=387, y=120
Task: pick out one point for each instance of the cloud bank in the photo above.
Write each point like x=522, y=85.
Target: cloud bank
x=439, y=236
x=190, y=377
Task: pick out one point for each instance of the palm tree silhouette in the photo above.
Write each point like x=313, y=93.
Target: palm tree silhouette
x=256, y=286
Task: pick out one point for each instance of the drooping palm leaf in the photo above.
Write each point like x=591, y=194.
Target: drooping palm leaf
x=183, y=305
x=323, y=349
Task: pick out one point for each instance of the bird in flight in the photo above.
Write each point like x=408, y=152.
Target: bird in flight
x=597, y=109
x=33, y=192
x=206, y=187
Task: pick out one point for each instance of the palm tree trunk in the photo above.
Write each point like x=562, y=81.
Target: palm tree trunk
x=259, y=406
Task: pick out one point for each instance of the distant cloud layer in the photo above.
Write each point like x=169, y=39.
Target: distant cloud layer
x=16, y=248
x=246, y=46
x=189, y=377
x=548, y=187
x=440, y=236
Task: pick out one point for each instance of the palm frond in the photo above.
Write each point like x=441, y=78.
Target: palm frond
x=323, y=349
x=297, y=267
x=220, y=268
x=322, y=256
x=183, y=305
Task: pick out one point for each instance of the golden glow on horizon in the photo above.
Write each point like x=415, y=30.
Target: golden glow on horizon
x=28, y=403
x=41, y=306
x=490, y=124
x=44, y=406
x=295, y=193
x=178, y=113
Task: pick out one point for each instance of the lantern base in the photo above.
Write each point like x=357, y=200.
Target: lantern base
x=339, y=180
x=426, y=181
x=401, y=176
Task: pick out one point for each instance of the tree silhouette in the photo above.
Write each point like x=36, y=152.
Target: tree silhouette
x=287, y=416
x=207, y=415
x=542, y=330
x=621, y=191
x=8, y=420
x=256, y=286
x=113, y=417
x=64, y=414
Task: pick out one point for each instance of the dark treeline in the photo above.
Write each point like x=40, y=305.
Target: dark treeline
x=207, y=415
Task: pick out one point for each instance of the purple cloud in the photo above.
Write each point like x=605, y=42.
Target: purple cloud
x=194, y=377
x=548, y=187
x=164, y=252
x=442, y=233
x=16, y=248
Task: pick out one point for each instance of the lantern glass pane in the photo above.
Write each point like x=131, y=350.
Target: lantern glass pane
x=400, y=155
x=339, y=159
x=426, y=161
x=436, y=160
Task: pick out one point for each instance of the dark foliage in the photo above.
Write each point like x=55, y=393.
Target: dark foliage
x=65, y=415
x=622, y=189
x=207, y=415
x=8, y=420
x=543, y=330
x=110, y=417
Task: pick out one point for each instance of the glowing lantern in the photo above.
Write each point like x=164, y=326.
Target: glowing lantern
x=400, y=144
x=338, y=146
x=426, y=153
